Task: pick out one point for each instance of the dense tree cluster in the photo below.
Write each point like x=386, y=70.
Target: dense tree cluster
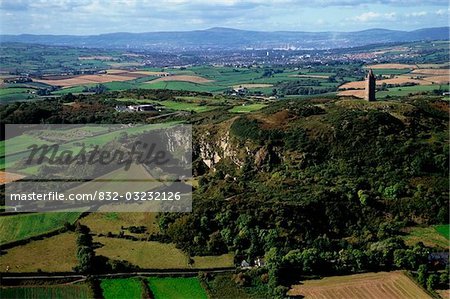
x=304, y=87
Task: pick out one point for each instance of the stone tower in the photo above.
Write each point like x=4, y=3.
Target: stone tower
x=370, y=87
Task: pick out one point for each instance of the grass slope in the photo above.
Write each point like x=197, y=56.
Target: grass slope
x=247, y=108
x=56, y=254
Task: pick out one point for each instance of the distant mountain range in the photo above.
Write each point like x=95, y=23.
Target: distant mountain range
x=233, y=39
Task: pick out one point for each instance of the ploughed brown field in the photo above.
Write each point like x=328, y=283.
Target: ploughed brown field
x=359, y=93
x=183, y=78
x=398, y=66
x=110, y=76
x=432, y=72
x=7, y=177
x=392, y=285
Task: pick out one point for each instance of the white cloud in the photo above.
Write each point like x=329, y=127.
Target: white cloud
x=443, y=12
x=374, y=16
x=367, y=16
x=417, y=14
x=389, y=16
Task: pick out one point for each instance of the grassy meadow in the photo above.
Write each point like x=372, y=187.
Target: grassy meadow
x=13, y=94
x=247, y=108
x=176, y=288
x=124, y=288
x=53, y=254
x=404, y=91
x=19, y=227
x=103, y=223
x=77, y=291
x=156, y=255
x=434, y=236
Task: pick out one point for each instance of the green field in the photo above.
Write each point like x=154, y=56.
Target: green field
x=186, y=106
x=247, y=108
x=444, y=230
x=19, y=227
x=391, y=71
x=176, y=288
x=67, y=291
x=13, y=90
x=434, y=236
x=74, y=90
x=16, y=94
x=404, y=91
x=178, y=85
x=19, y=143
x=147, y=254
x=15, y=97
x=125, y=288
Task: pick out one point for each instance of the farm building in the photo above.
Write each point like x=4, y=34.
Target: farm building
x=146, y=107
x=138, y=108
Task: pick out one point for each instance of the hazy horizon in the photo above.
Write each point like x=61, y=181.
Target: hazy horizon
x=92, y=17
x=228, y=28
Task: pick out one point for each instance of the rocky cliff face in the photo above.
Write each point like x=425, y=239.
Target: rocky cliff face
x=212, y=146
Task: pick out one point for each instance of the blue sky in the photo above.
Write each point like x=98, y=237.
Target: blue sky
x=102, y=16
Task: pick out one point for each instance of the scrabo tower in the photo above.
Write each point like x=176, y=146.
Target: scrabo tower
x=370, y=87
